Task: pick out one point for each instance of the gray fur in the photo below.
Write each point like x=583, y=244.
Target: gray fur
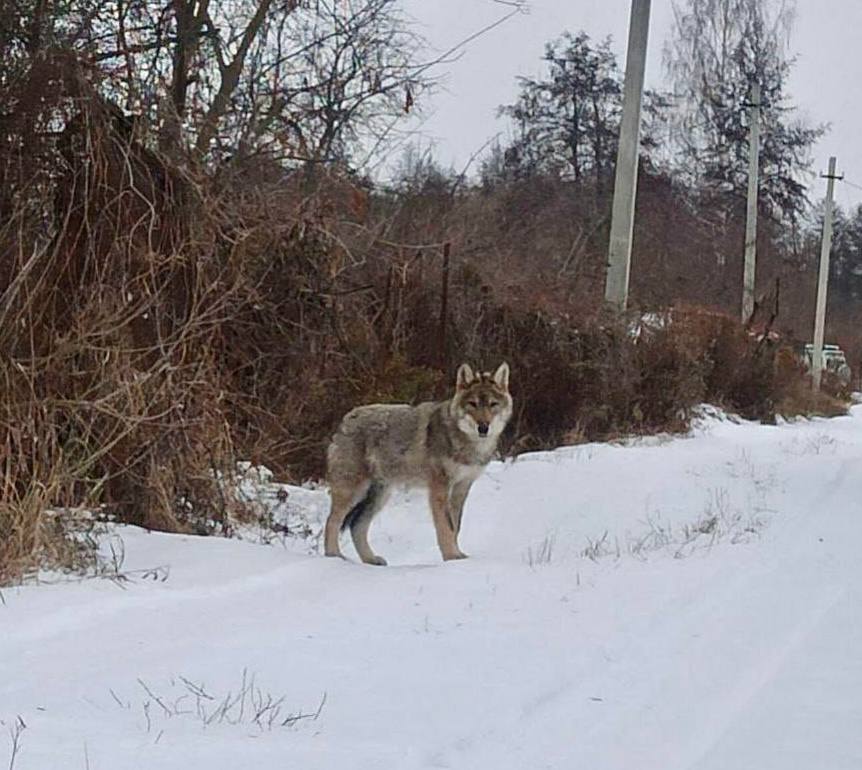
x=435, y=444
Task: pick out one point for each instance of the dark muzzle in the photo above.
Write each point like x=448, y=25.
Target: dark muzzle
x=483, y=428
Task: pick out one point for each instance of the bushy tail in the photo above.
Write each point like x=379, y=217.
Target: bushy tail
x=367, y=506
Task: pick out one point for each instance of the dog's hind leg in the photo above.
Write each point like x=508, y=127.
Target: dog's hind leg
x=360, y=518
x=346, y=494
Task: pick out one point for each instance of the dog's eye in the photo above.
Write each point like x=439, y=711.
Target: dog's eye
x=494, y=404
x=473, y=404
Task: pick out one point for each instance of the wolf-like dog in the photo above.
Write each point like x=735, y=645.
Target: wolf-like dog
x=442, y=445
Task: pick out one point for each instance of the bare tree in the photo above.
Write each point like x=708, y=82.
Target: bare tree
x=305, y=81
x=323, y=84
x=718, y=50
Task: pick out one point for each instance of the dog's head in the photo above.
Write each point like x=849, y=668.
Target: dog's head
x=482, y=403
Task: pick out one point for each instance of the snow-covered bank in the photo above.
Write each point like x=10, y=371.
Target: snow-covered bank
x=685, y=603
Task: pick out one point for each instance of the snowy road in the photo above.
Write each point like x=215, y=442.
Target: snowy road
x=717, y=625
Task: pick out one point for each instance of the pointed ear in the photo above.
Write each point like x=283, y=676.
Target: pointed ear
x=464, y=377
x=501, y=376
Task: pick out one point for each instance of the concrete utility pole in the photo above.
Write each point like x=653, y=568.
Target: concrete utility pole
x=625, y=183
x=823, y=280
x=751, y=214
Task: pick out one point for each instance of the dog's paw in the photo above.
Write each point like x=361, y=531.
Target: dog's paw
x=377, y=561
x=454, y=556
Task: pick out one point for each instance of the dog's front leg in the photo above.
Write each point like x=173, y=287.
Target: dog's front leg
x=438, y=493
x=456, y=504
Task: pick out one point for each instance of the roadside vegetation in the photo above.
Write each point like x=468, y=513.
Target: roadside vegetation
x=197, y=268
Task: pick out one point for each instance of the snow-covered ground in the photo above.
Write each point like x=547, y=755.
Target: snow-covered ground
x=685, y=603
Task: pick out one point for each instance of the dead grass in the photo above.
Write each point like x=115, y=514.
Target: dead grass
x=249, y=705
x=718, y=523
x=16, y=733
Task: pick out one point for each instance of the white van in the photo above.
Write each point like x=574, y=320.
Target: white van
x=834, y=361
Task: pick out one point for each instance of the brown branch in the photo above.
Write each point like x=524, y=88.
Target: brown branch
x=230, y=76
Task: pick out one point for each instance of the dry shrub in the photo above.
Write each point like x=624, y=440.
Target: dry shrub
x=156, y=324
x=795, y=396
x=111, y=304
x=756, y=375
x=736, y=366
x=598, y=378
x=25, y=528
x=585, y=381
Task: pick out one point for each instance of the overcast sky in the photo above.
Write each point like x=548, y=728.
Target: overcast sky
x=825, y=82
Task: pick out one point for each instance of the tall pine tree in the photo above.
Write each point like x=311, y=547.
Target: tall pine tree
x=566, y=123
